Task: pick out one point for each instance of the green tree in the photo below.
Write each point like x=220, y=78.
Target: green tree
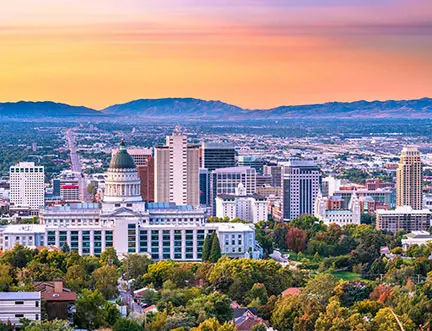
x=124, y=324
x=56, y=325
x=333, y=319
x=105, y=280
x=387, y=320
x=109, y=257
x=135, y=265
x=259, y=327
x=90, y=313
x=76, y=278
x=160, y=271
x=213, y=305
x=18, y=257
x=5, y=277
x=215, y=252
x=65, y=248
x=206, y=248
x=112, y=314
x=213, y=324
x=258, y=293
x=322, y=287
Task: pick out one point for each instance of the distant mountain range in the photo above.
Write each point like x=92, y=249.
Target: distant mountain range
x=202, y=110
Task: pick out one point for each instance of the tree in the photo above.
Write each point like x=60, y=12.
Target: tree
x=206, y=248
x=65, y=248
x=18, y=257
x=387, y=320
x=5, y=277
x=124, y=324
x=109, y=257
x=213, y=324
x=213, y=305
x=296, y=240
x=135, y=265
x=215, y=252
x=334, y=318
x=322, y=287
x=258, y=293
x=56, y=325
x=259, y=327
x=76, y=278
x=160, y=271
x=352, y=292
x=179, y=320
x=105, y=280
x=112, y=314
x=90, y=313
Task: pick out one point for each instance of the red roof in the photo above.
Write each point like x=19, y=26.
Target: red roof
x=291, y=291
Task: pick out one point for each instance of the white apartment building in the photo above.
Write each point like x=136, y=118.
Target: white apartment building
x=300, y=186
x=252, y=207
x=17, y=305
x=124, y=221
x=177, y=171
x=27, y=185
x=226, y=181
x=352, y=215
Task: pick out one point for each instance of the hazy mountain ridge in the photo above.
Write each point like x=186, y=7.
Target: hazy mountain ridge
x=197, y=109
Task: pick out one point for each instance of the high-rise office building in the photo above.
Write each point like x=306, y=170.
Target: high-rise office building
x=177, y=171
x=226, y=181
x=409, y=179
x=300, y=187
x=217, y=155
x=275, y=171
x=204, y=187
x=27, y=185
x=251, y=161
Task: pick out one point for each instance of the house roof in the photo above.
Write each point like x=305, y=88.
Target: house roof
x=291, y=291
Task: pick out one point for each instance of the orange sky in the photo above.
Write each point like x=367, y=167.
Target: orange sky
x=252, y=53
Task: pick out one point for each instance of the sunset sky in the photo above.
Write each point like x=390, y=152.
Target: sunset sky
x=252, y=53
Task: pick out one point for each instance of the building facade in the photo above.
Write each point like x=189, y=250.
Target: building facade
x=409, y=179
x=300, y=186
x=250, y=207
x=27, y=185
x=339, y=216
x=124, y=221
x=15, y=306
x=177, y=171
x=403, y=218
x=217, y=155
x=226, y=181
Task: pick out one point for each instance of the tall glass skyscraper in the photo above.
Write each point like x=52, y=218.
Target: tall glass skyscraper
x=217, y=155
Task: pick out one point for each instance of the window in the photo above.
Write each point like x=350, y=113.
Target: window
x=19, y=315
x=37, y=317
x=37, y=303
x=19, y=302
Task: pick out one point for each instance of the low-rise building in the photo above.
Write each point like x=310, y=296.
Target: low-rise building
x=324, y=212
x=416, y=238
x=15, y=306
x=403, y=218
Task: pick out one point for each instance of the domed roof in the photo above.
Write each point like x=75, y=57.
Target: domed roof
x=122, y=159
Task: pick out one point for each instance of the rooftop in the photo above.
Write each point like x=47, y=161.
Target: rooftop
x=20, y=296
x=403, y=210
x=232, y=170
x=24, y=228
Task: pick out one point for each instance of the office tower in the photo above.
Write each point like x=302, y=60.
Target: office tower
x=204, y=187
x=177, y=171
x=264, y=180
x=403, y=218
x=217, y=155
x=275, y=171
x=409, y=179
x=251, y=161
x=27, y=185
x=70, y=193
x=140, y=155
x=226, y=181
x=300, y=187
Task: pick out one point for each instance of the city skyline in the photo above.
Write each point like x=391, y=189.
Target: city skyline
x=255, y=54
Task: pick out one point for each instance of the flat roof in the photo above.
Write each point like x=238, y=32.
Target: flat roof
x=24, y=228
x=20, y=295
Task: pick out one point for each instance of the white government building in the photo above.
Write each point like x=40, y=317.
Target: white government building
x=124, y=221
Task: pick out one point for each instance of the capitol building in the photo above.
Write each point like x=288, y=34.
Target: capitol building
x=124, y=221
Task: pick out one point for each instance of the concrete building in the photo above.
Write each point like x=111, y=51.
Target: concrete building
x=416, y=238
x=226, y=181
x=250, y=207
x=300, y=186
x=144, y=162
x=409, y=179
x=275, y=171
x=70, y=193
x=403, y=218
x=27, y=185
x=15, y=306
x=380, y=197
x=339, y=216
x=123, y=220
x=217, y=155
x=177, y=171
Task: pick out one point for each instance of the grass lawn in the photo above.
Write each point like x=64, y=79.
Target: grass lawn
x=346, y=275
